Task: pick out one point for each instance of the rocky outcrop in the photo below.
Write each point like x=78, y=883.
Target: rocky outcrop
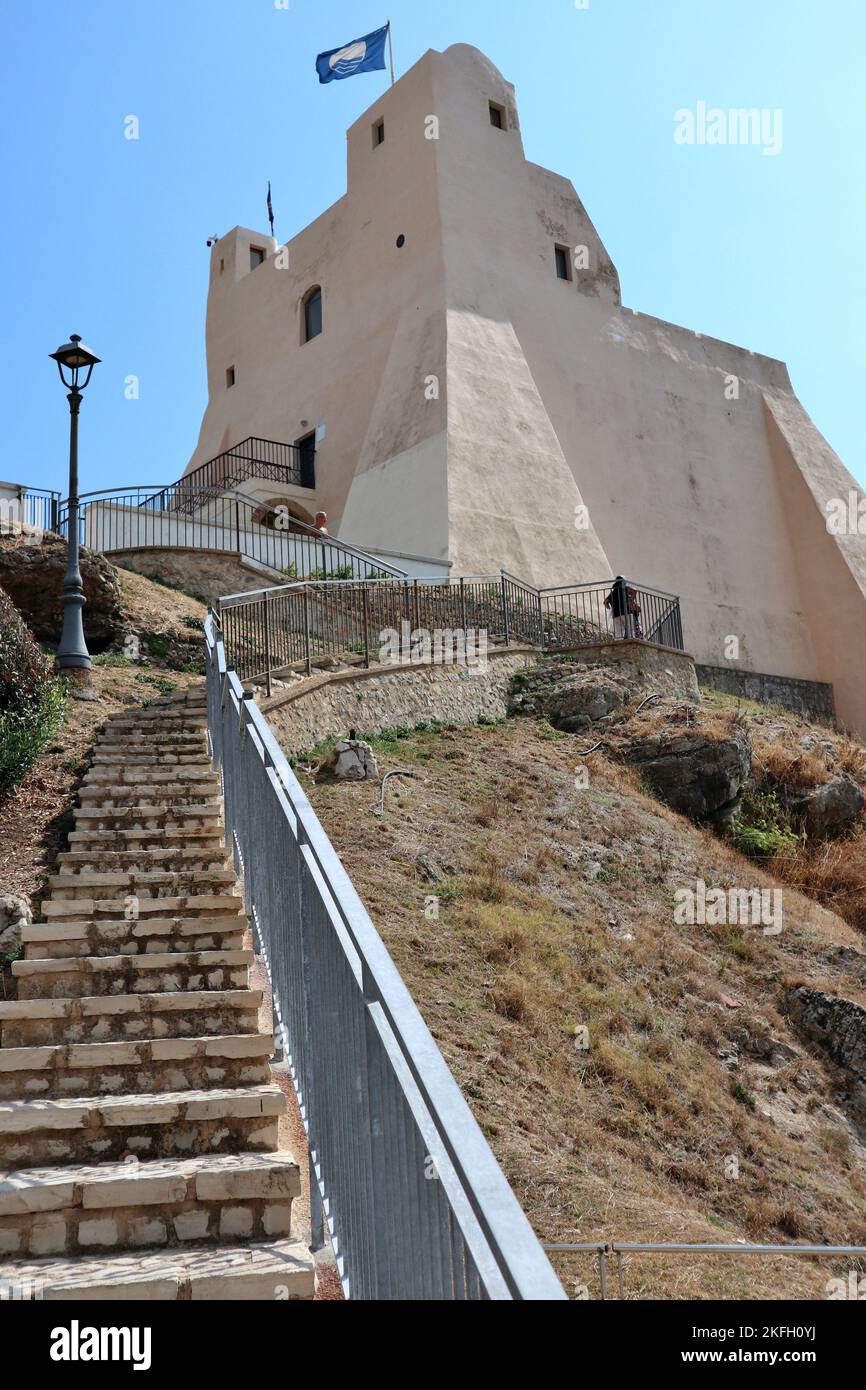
x=838, y=1027
x=700, y=776
x=350, y=760
x=572, y=697
x=15, y=914
x=830, y=808
x=32, y=570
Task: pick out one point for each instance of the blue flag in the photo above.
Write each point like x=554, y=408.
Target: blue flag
x=363, y=55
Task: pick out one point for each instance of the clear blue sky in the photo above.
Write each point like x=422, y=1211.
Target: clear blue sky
x=106, y=237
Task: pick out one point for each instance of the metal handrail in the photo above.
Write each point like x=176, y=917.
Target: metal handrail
x=290, y=625
x=444, y=580
x=112, y=520
x=400, y=1172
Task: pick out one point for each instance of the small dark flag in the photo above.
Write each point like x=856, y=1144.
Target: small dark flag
x=270, y=208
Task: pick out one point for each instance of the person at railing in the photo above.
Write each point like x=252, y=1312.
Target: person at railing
x=321, y=523
x=625, y=609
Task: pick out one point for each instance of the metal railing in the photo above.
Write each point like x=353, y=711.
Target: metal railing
x=414, y=1201
x=575, y=614
x=293, y=625
x=605, y=1250
x=35, y=507
x=140, y=519
x=252, y=458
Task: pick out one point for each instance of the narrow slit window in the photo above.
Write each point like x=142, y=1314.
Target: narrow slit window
x=378, y=134
x=563, y=263
x=230, y=377
x=497, y=115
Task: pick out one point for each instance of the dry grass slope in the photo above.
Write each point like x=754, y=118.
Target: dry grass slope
x=521, y=909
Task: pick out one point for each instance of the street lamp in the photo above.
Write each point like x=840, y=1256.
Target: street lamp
x=72, y=360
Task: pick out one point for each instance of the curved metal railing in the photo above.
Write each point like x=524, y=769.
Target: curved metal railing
x=117, y=520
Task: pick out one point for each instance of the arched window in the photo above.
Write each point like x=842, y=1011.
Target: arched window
x=279, y=514
x=312, y=313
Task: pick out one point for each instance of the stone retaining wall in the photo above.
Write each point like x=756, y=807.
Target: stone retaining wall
x=387, y=697
x=664, y=669
x=812, y=699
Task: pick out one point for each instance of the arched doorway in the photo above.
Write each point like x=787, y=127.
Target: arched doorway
x=275, y=513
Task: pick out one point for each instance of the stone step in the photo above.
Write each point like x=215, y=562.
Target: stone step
x=190, y=905
x=134, y=1068
x=120, y=757
x=150, y=775
x=106, y=1129
x=174, y=860
x=164, y=797
x=84, y=976
x=164, y=725
x=278, y=1271
x=148, y=887
x=189, y=745
x=126, y=839
x=167, y=1203
x=172, y=706
x=36, y=1022
x=57, y=940
x=195, y=815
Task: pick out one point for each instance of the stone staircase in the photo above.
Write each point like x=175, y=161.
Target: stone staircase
x=139, y=1123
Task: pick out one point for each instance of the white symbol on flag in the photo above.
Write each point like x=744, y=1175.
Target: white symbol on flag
x=349, y=58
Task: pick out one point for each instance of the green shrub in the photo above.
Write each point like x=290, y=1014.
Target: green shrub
x=160, y=683
x=157, y=644
x=762, y=829
x=196, y=624
x=32, y=700
x=112, y=659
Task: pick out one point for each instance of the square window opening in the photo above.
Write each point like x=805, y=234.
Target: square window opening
x=257, y=255
x=497, y=116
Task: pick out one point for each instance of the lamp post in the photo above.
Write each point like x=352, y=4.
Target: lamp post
x=72, y=359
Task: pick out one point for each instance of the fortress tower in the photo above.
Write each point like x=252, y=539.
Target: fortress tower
x=480, y=398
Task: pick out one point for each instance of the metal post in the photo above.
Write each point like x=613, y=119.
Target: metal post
x=366, y=628
x=307, y=631
x=463, y=621
x=268, y=642
x=238, y=525
x=505, y=623
x=602, y=1272
x=72, y=654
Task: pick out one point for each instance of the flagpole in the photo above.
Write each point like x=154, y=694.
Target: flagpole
x=391, y=52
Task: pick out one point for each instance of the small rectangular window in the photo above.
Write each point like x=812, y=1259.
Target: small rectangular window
x=257, y=255
x=378, y=134
x=563, y=263
x=497, y=115
x=230, y=377
x=222, y=264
